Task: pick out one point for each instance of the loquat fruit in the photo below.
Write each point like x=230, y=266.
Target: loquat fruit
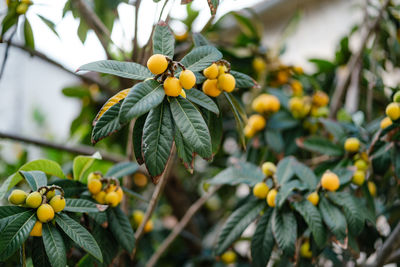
x=37, y=229
x=330, y=181
x=211, y=72
x=187, y=79
x=17, y=197
x=226, y=82
x=34, y=200
x=57, y=203
x=172, y=86
x=271, y=197
x=45, y=213
x=260, y=190
x=268, y=168
x=210, y=88
x=157, y=64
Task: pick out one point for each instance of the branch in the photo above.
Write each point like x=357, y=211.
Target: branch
x=180, y=226
x=344, y=80
x=3, y=65
x=391, y=243
x=135, y=38
x=394, y=257
x=81, y=150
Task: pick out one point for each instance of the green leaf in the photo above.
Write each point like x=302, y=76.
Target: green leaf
x=107, y=124
x=122, y=169
x=239, y=115
x=243, y=80
x=199, y=39
x=352, y=210
x=284, y=170
x=274, y=140
x=237, y=223
x=158, y=137
x=28, y=35
x=286, y=190
x=192, y=126
x=15, y=232
x=39, y=257
x=47, y=166
x=282, y=121
x=79, y=235
x=163, y=40
x=199, y=98
x=81, y=164
x=263, y=241
x=7, y=211
x=35, y=179
x=82, y=205
x=333, y=218
x=83, y=29
x=201, y=57
x=284, y=228
x=9, y=20
x=239, y=173
x=313, y=219
x=54, y=245
x=137, y=138
x=214, y=124
x=142, y=98
x=121, y=228
x=322, y=146
x=128, y=70
x=334, y=128
x=49, y=24
x=184, y=151
x=305, y=174
x=107, y=243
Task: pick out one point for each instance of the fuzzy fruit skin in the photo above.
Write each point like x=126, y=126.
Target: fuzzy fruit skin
x=140, y=179
x=37, y=229
x=372, y=188
x=157, y=64
x=305, y=251
x=138, y=216
x=112, y=199
x=94, y=186
x=330, y=181
x=222, y=69
x=386, y=122
x=34, y=200
x=50, y=194
x=211, y=72
x=352, y=144
x=94, y=176
x=396, y=97
x=393, y=111
x=271, y=197
x=320, y=99
x=57, y=203
x=17, y=197
x=172, y=87
x=226, y=82
x=210, y=88
x=187, y=79
x=45, y=213
x=228, y=257
x=361, y=165
x=100, y=197
x=268, y=168
x=248, y=131
x=313, y=198
x=148, y=227
x=260, y=190
x=358, y=178
x=257, y=122
x=266, y=103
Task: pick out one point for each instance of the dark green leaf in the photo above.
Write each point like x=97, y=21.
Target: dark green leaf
x=39, y=257
x=239, y=115
x=334, y=128
x=83, y=29
x=142, y=98
x=107, y=244
x=137, y=138
x=199, y=40
x=79, y=235
x=201, y=57
x=28, y=35
x=163, y=40
x=305, y=174
x=284, y=170
x=191, y=124
x=82, y=205
x=6, y=211
x=286, y=190
x=274, y=140
x=322, y=146
x=121, y=228
x=49, y=24
x=107, y=124
x=263, y=241
x=54, y=245
x=214, y=123
x=243, y=80
x=240, y=172
x=282, y=121
x=284, y=228
x=9, y=20
x=237, y=223
x=184, y=151
x=122, y=169
x=35, y=179
x=333, y=218
x=199, y=98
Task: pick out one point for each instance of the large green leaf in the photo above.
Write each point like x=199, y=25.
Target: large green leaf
x=239, y=173
x=47, y=166
x=286, y=190
x=313, y=219
x=199, y=40
x=142, y=98
x=39, y=256
x=352, y=210
x=201, y=57
x=199, y=98
x=122, y=169
x=214, y=123
x=54, y=245
x=15, y=232
x=163, y=40
x=322, y=146
x=7, y=211
x=184, y=151
x=35, y=179
x=305, y=174
x=107, y=243
x=128, y=70
x=82, y=205
x=240, y=116
x=28, y=35
x=237, y=223
x=107, y=124
x=284, y=170
x=284, y=228
x=191, y=124
x=80, y=166
x=79, y=235
x=121, y=228
x=137, y=138
x=334, y=128
x=333, y=218
x=158, y=136
x=263, y=241
x=243, y=80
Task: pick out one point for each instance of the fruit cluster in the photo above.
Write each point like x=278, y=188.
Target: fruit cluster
x=104, y=190
x=303, y=105
x=265, y=105
x=44, y=200
x=261, y=190
x=164, y=68
x=392, y=111
x=218, y=79
x=137, y=218
x=360, y=160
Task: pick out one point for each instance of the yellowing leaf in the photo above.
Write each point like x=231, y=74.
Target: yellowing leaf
x=111, y=102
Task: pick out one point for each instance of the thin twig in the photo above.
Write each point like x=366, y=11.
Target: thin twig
x=81, y=150
x=135, y=38
x=391, y=243
x=180, y=226
x=3, y=65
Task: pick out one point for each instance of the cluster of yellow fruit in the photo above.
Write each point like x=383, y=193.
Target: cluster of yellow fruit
x=266, y=105
x=158, y=64
x=218, y=79
x=228, y=257
x=361, y=162
x=44, y=200
x=316, y=106
x=392, y=111
x=261, y=190
x=137, y=218
x=111, y=194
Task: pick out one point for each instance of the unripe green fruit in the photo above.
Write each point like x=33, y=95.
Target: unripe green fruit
x=396, y=97
x=17, y=197
x=57, y=203
x=34, y=200
x=45, y=213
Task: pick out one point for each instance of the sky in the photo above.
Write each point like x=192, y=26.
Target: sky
x=69, y=50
